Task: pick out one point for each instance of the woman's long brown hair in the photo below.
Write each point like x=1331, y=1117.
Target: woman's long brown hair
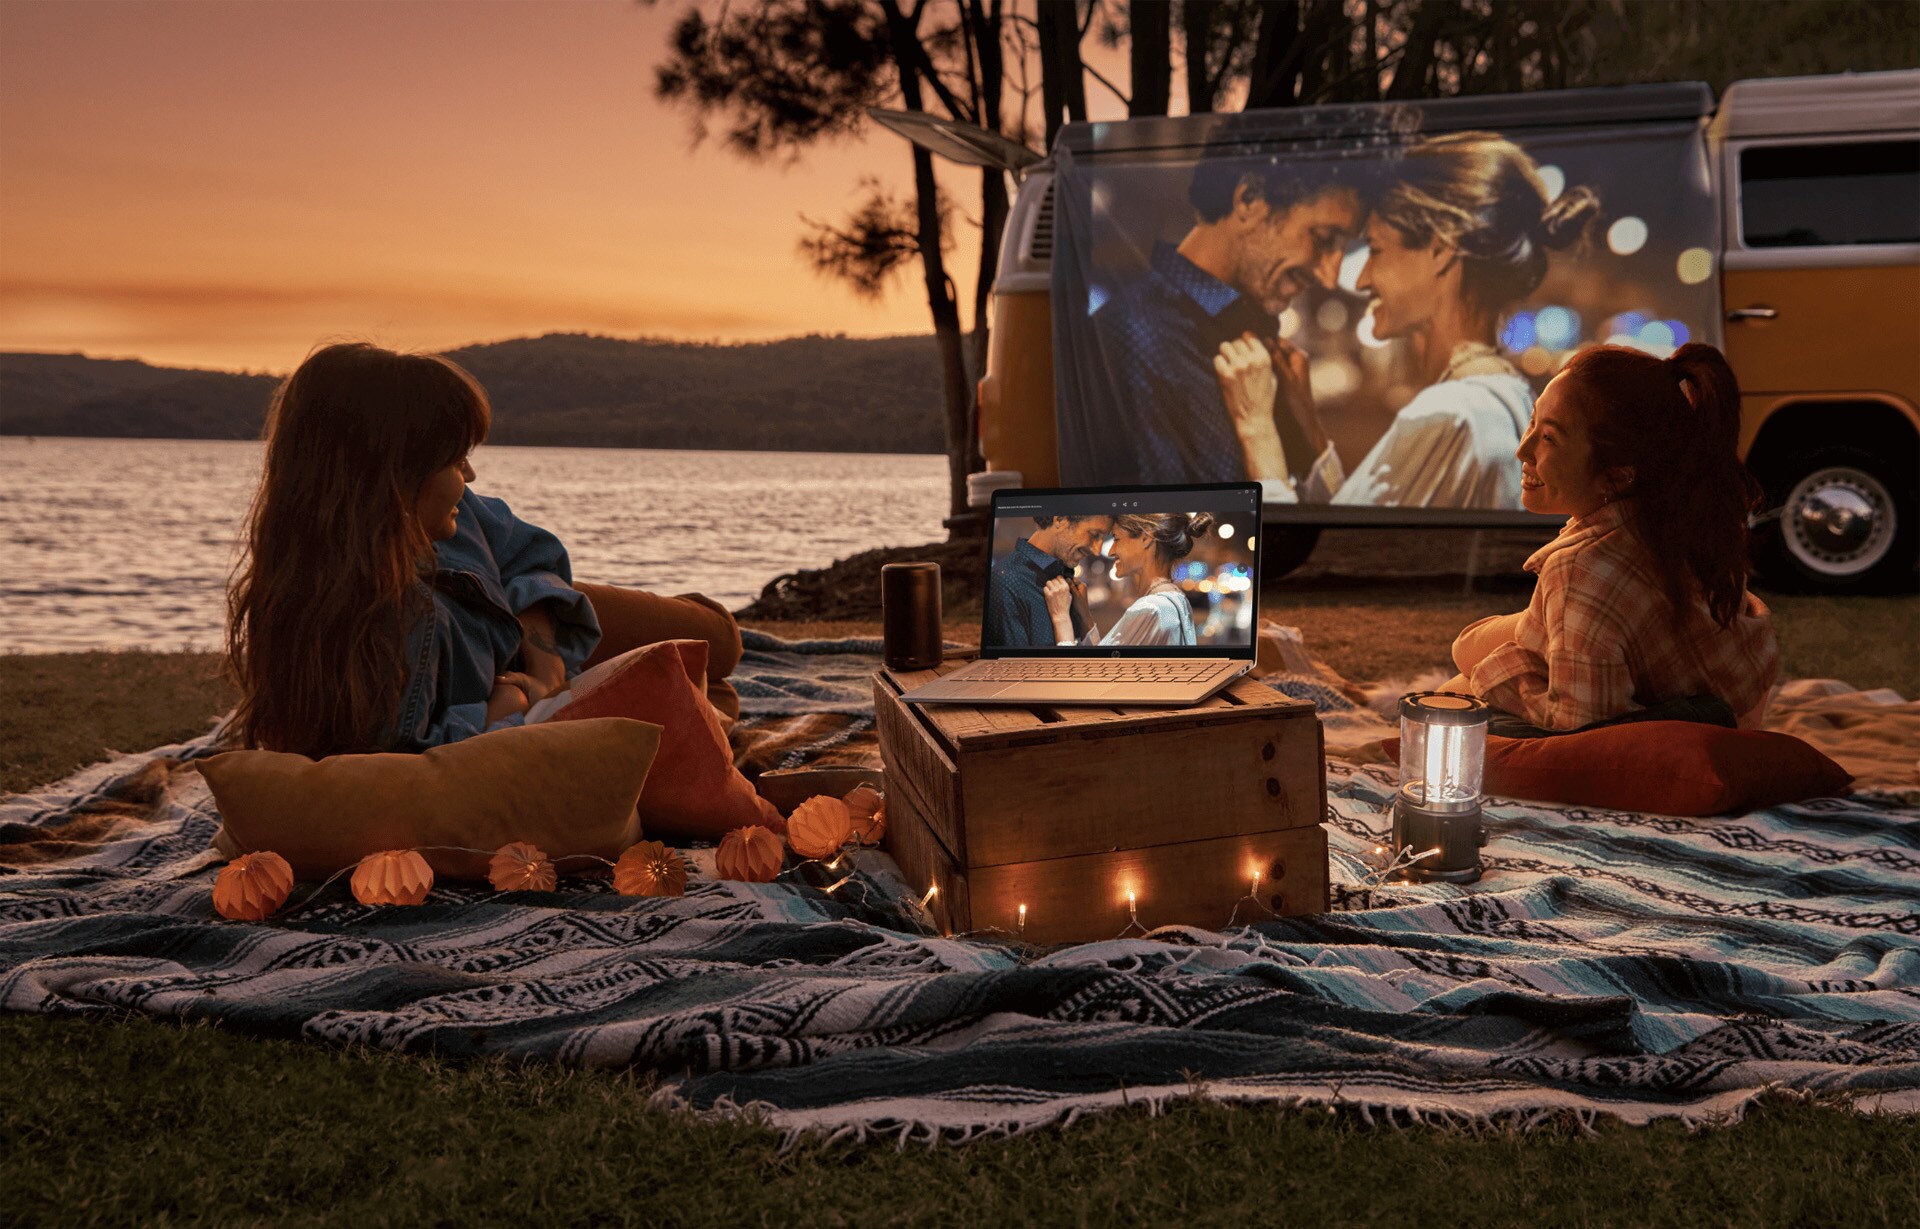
x=327, y=584
x=1676, y=423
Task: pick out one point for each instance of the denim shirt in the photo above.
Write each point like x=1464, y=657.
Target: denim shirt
x=493, y=568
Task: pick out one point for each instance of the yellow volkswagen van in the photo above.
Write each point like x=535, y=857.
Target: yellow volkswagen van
x=1799, y=255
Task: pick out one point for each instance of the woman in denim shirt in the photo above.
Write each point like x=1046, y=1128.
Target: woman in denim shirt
x=380, y=604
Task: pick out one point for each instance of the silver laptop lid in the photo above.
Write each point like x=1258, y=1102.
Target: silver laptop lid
x=1164, y=571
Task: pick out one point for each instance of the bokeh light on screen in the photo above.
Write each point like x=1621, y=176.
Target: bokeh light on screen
x=1681, y=334
x=1695, y=266
x=1555, y=181
x=1332, y=378
x=1096, y=297
x=1556, y=328
x=1656, y=335
x=1227, y=530
x=1627, y=236
x=1289, y=322
x=1332, y=316
x=1536, y=361
x=1350, y=266
x=1518, y=333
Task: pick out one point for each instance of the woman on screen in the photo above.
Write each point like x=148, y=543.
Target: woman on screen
x=1457, y=242
x=1145, y=548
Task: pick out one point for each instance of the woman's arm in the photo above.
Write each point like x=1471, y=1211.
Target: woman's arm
x=539, y=650
x=1567, y=664
x=1478, y=640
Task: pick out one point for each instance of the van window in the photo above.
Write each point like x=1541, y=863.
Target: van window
x=1822, y=195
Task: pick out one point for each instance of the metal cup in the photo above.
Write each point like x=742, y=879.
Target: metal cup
x=910, y=615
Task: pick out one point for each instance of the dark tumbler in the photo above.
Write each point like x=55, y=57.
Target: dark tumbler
x=910, y=615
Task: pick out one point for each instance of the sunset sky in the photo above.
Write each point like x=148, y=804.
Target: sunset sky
x=222, y=183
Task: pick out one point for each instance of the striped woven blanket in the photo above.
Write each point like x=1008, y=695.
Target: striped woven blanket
x=1609, y=963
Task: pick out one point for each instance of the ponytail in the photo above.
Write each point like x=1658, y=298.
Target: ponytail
x=1676, y=423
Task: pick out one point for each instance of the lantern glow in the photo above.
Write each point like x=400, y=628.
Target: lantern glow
x=1443, y=751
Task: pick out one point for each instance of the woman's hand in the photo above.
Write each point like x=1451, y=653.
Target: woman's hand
x=1059, y=595
x=1250, y=386
x=1290, y=369
x=514, y=692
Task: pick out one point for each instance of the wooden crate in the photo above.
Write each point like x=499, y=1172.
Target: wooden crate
x=1067, y=810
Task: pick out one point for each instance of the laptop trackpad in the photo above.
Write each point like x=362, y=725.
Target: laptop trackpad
x=1043, y=691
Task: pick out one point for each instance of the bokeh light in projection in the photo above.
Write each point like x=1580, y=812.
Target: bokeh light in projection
x=1333, y=378
x=1096, y=297
x=1555, y=181
x=1656, y=337
x=1537, y=361
x=1350, y=266
x=1695, y=266
x=1332, y=316
x=1627, y=236
x=1681, y=334
x=1556, y=328
x=1518, y=333
x=1289, y=322
x=1365, y=332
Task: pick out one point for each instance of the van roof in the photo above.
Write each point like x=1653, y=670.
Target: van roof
x=1353, y=124
x=1843, y=102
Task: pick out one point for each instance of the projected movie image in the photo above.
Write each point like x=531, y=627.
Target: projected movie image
x=1177, y=575
x=1363, y=320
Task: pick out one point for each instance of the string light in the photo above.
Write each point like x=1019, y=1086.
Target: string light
x=933, y=890
x=838, y=883
x=1023, y=921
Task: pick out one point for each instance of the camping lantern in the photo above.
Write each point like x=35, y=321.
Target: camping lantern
x=1443, y=753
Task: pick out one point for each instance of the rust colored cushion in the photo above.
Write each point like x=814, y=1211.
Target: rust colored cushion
x=569, y=789
x=633, y=618
x=1663, y=767
x=694, y=789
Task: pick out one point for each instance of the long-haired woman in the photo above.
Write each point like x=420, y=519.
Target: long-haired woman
x=1642, y=600
x=1145, y=548
x=379, y=602
x=1460, y=238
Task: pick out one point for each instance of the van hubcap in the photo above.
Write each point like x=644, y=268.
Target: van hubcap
x=1838, y=521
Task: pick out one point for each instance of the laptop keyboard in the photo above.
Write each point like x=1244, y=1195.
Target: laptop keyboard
x=1035, y=670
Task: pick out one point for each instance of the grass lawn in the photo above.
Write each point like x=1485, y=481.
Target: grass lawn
x=123, y=1120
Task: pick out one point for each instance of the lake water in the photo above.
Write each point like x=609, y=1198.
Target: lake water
x=127, y=543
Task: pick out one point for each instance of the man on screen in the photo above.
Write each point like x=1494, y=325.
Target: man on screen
x=1016, y=614
x=1264, y=231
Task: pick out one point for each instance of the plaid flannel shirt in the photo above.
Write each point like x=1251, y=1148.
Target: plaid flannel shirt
x=1598, y=639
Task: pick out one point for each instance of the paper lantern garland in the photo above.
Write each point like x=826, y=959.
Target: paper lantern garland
x=650, y=869
x=752, y=854
x=252, y=887
x=868, y=811
x=520, y=867
x=819, y=827
x=392, y=877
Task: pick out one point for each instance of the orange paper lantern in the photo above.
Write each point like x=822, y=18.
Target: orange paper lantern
x=253, y=886
x=392, y=877
x=819, y=826
x=868, y=811
x=650, y=869
x=752, y=855
x=520, y=867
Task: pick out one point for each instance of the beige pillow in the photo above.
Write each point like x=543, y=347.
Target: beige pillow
x=568, y=787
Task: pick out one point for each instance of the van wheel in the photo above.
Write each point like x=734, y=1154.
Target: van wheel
x=1284, y=548
x=1843, y=520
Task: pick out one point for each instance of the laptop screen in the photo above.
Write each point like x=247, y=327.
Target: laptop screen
x=1123, y=571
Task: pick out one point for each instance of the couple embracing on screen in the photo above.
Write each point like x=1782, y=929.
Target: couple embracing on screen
x=1457, y=230
x=1034, y=600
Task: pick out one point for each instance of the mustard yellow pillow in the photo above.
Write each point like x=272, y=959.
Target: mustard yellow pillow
x=569, y=787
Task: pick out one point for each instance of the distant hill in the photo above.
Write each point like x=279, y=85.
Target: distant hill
x=810, y=394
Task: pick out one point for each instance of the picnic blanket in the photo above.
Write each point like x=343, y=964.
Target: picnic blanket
x=1613, y=963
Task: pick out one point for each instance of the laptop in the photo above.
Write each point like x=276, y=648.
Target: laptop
x=1114, y=596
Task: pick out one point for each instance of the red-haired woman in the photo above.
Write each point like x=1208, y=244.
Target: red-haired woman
x=379, y=603
x=1642, y=601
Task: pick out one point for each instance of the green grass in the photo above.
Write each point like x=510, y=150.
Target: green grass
x=130, y=1120
x=125, y=1120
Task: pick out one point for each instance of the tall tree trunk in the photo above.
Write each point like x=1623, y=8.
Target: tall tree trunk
x=1417, y=61
x=1063, y=83
x=1150, y=56
x=985, y=22
x=1196, y=21
x=1277, y=51
x=940, y=298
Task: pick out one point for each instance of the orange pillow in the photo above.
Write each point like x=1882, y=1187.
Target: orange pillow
x=568, y=789
x=694, y=789
x=1664, y=767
